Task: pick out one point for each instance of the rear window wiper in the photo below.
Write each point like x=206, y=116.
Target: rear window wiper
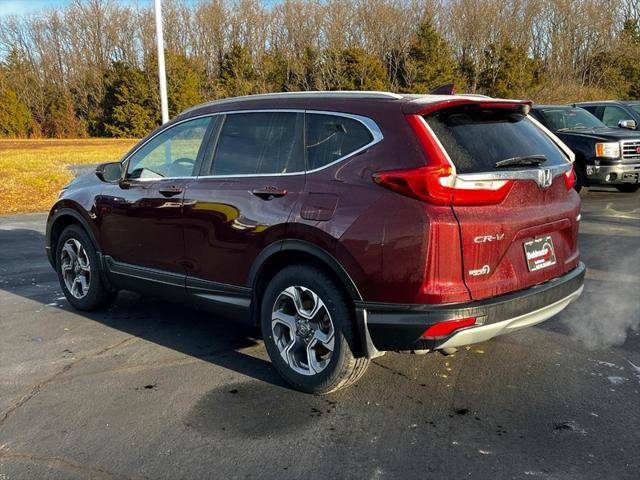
x=521, y=161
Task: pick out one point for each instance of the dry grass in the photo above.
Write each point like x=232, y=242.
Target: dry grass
x=33, y=171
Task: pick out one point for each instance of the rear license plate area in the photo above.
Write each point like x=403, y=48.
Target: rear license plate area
x=539, y=253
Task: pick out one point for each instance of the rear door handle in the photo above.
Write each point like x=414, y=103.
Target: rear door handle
x=269, y=193
x=170, y=191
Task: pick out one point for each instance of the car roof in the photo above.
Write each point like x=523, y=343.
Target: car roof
x=599, y=102
x=316, y=99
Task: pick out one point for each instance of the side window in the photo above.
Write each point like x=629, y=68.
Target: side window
x=330, y=137
x=172, y=153
x=259, y=143
x=612, y=115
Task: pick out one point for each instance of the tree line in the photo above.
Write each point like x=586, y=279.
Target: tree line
x=90, y=69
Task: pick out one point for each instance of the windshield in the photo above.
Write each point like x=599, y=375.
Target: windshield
x=569, y=118
x=482, y=140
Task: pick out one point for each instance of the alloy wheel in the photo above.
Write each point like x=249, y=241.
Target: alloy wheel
x=75, y=267
x=303, y=330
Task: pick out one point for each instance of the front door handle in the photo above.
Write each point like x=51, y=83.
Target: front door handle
x=269, y=193
x=170, y=191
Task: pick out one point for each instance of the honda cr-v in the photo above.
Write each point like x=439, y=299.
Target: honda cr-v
x=341, y=224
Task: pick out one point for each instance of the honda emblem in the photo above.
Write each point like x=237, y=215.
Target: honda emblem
x=545, y=178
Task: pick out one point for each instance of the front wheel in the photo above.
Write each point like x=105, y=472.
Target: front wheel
x=79, y=270
x=631, y=188
x=309, y=331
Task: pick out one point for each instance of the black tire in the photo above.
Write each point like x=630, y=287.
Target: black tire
x=631, y=188
x=97, y=295
x=580, y=184
x=343, y=368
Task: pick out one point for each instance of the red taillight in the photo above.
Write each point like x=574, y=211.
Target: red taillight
x=421, y=183
x=435, y=183
x=441, y=329
x=570, y=178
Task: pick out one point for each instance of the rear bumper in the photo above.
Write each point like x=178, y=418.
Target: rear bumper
x=613, y=174
x=399, y=327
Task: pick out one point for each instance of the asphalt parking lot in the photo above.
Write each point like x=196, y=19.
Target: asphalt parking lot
x=154, y=390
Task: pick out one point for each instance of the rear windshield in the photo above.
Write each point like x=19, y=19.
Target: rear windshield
x=476, y=139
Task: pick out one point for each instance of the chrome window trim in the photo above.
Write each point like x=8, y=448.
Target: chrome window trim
x=368, y=123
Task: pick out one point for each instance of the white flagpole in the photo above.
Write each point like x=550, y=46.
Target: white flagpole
x=161, y=70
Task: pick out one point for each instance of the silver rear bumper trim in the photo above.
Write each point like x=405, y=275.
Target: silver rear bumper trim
x=487, y=332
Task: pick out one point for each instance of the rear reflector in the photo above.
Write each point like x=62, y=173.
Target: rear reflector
x=441, y=329
x=436, y=182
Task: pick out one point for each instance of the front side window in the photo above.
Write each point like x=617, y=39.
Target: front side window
x=257, y=143
x=612, y=115
x=172, y=153
x=331, y=137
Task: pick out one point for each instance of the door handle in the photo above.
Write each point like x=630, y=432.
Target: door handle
x=170, y=191
x=269, y=193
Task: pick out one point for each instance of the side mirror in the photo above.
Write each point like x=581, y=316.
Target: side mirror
x=630, y=124
x=109, y=172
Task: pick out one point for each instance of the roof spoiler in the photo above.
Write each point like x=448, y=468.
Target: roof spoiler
x=425, y=108
x=446, y=89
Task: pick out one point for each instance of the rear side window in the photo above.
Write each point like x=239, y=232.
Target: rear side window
x=260, y=143
x=331, y=137
x=477, y=139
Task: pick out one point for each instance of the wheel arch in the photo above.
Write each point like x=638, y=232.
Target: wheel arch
x=59, y=220
x=288, y=252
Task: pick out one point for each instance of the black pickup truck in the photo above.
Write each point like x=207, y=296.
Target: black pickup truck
x=604, y=156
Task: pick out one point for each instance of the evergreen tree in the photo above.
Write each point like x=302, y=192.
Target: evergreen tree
x=630, y=62
x=358, y=70
x=185, y=82
x=128, y=102
x=15, y=117
x=508, y=71
x=429, y=63
x=238, y=73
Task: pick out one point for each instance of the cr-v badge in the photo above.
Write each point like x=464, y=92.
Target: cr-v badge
x=488, y=238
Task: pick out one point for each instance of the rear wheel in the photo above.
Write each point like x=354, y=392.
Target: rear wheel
x=628, y=188
x=79, y=270
x=309, y=331
x=580, y=183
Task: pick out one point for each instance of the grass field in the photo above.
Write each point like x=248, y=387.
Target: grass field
x=33, y=171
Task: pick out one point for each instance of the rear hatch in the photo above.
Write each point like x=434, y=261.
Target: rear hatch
x=511, y=193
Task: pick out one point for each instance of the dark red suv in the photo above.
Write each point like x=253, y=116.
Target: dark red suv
x=341, y=224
